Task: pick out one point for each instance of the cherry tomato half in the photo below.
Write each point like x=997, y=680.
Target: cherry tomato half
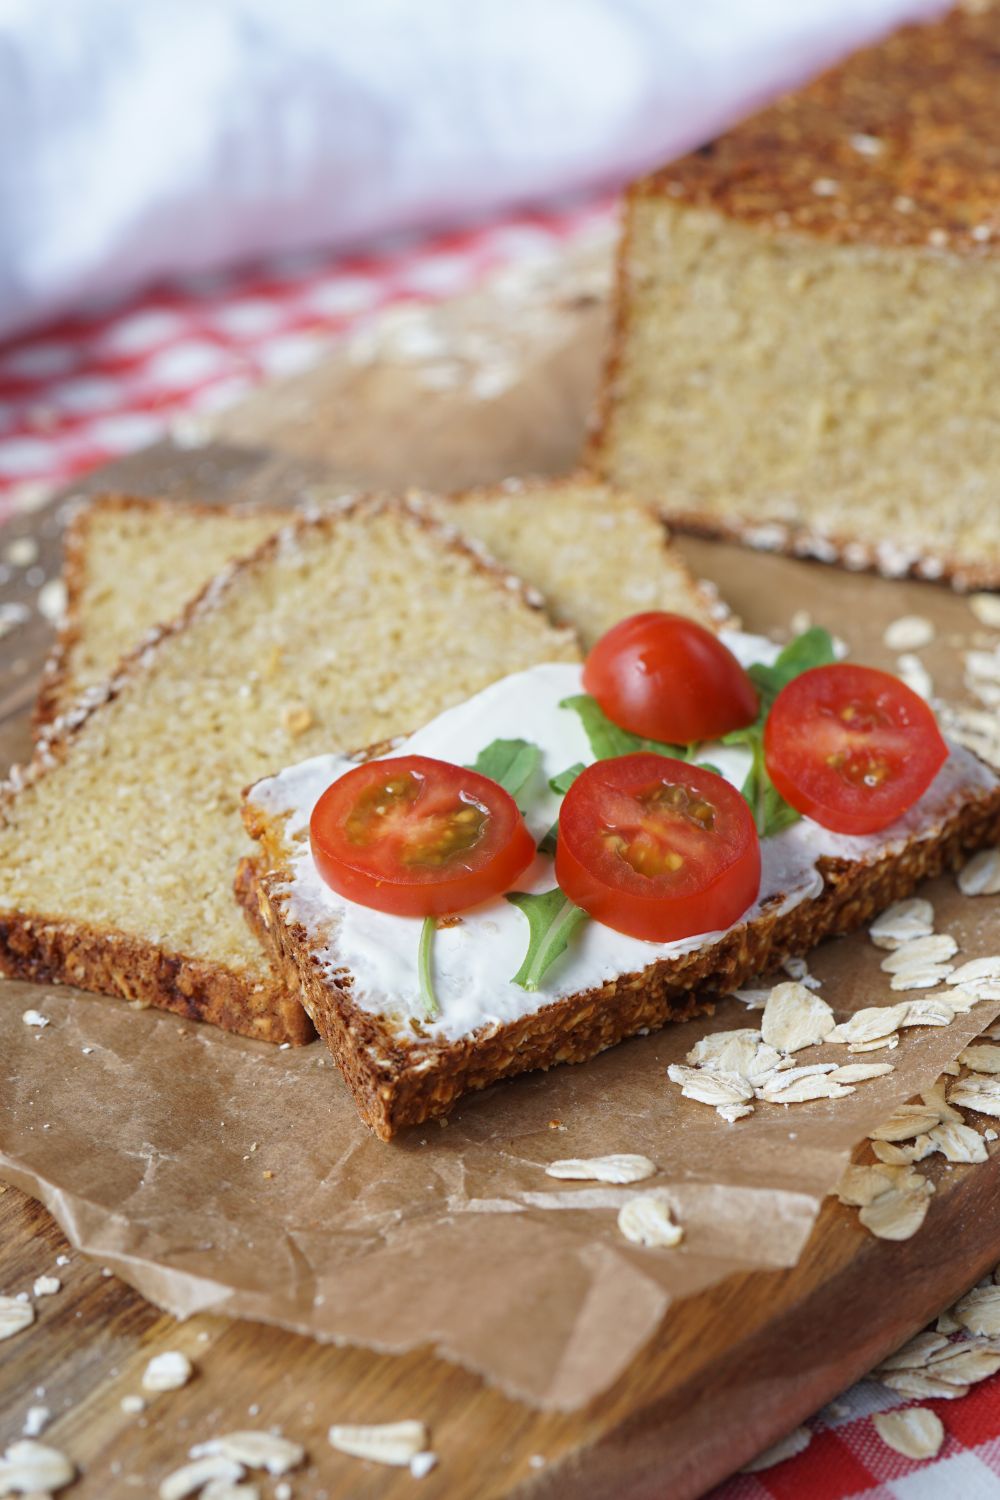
x=669, y=679
x=657, y=848
x=418, y=837
x=851, y=747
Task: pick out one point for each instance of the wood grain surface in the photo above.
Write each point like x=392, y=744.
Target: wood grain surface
x=727, y=1373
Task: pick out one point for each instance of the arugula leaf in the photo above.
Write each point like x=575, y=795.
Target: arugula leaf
x=607, y=739
x=547, y=842
x=813, y=648
x=552, y=922
x=430, y=1001
x=511, y=763
x=561, y=784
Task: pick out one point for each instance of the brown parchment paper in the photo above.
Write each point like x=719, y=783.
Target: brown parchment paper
x=153, y=1151
x=215, y=1173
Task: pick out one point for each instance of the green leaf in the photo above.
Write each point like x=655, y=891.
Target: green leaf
x=424, y=969
x=510, y=763
x=561, y=784
x=547, y=842
x=552, y=922
x=606, y=739
x=813, y=648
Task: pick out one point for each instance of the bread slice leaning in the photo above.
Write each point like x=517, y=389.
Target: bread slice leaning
x=401, y=1075
x=597, y=554
x=118, y=842
x=130, y=564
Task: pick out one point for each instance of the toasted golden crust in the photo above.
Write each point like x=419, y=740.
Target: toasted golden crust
x=899, y=145
x=45, y=951
x=397, y=1083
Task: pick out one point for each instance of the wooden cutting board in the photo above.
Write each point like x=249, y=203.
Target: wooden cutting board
x=726, y=1374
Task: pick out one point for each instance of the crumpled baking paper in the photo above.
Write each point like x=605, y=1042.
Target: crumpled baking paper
x=218, y=1174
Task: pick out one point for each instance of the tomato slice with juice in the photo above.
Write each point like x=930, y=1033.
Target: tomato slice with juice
x=657, y=848
x=418, y=837
x=851, y=747
x=667, y=678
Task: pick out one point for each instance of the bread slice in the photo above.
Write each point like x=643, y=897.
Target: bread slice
x=358, y=969
x=132, y=564
x=129, y=565
x=118, y=843
x=805, y=355
x=596, y=554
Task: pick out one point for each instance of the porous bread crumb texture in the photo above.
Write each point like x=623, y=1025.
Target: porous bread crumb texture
x=132, y=564
x=829, y=399
x=399, y=1079
x=127, y=825
x=595, y=553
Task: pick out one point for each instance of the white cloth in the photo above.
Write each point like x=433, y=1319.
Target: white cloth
x=145, y=137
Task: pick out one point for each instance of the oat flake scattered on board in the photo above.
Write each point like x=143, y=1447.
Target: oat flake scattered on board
x=934, y=948
x=916, y=1433
x=646, y=1220
x=192, y=1478
x=167, y=1371
x=905, y=1122
x=898, y=1214
x=794, y=1018
x=986, y=608
x=902, y=922
x=257, y=1450
x=620, y=1168
x=394, y=1443
x=30, y=1468
x=908, y=633
x=981, y=875
x=14, y=1316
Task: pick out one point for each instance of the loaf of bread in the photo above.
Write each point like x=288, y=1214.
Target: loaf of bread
x=805, y=354
x=118, y=842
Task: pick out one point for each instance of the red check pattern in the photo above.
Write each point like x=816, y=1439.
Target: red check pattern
x=108, y=379
x=847, y=1460
x=105, y=380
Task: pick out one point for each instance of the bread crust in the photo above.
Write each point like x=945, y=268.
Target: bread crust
x=54, y=689
x=53, y=948
x=398, y=1082
x=44, y=951
x=897, y=146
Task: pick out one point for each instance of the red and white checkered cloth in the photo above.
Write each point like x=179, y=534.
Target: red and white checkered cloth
x=847, y=1460
x=109, y=379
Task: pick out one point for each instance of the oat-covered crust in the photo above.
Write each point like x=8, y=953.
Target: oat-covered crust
x=46, y=951
x=398, y=1082
x=899, y=145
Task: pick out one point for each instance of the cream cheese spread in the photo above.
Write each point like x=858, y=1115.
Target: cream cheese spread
x=475, y=959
